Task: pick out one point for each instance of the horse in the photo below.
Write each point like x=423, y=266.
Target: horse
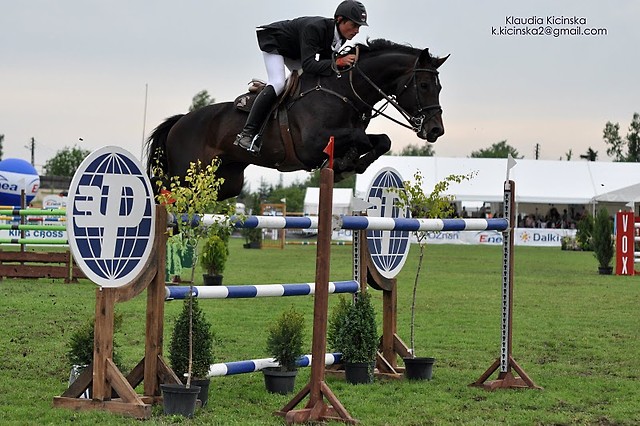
x=297, y=132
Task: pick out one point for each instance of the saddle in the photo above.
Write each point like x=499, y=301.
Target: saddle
x=245, y=101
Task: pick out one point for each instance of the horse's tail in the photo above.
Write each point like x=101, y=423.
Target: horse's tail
x=156, y=146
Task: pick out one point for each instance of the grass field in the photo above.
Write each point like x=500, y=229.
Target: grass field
x=576, y=334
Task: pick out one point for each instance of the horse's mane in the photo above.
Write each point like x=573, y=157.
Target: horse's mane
x=380, y=45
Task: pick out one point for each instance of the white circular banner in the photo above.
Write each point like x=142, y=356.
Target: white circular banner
x=111, y=217
x=389, y=249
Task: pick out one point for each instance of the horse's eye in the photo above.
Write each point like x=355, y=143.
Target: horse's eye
x=424, y=85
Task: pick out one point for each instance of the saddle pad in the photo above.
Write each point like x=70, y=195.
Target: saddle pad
x=245, y=101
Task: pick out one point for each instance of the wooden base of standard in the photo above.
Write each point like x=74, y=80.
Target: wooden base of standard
x=318, y=410
x=505, y=379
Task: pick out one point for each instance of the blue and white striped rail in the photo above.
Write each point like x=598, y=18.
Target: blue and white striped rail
x=405, y=224
x=242, y=367
x=366, y=222
x=261, y=290
x=264, y=222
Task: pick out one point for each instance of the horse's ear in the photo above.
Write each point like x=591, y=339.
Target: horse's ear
x=426, y=59
x=439, y=61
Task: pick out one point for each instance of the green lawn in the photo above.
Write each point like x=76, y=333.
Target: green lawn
x=576, y=334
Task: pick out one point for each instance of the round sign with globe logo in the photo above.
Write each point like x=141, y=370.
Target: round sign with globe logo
x=110, y=217
x=389, y=249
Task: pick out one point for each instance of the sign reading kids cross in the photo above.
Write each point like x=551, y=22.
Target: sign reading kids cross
x=389, y=249
x=110, y=217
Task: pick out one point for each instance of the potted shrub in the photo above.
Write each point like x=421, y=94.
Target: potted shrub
x=420, y=205
x=252, y=238
x=336, y=321
x=284, y=344
x=192, y=321
x=603, y=241
x=213, y=257
x=186, y=202
x=357, y=339
x=80, y=349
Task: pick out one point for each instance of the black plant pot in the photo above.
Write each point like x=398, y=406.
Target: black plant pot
x=203, y=395
x=179, y=399
x=358, y=372
x=211, y=279
x=605, y=270
x=278, y=381
x=420, y=368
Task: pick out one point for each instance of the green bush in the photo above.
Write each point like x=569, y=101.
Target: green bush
x=203, y=339
x=80, y=346
x=358, y=338
x=584, y=232
x=336, y=322
x=284, y=342
x=215, y=252
x=602, y=240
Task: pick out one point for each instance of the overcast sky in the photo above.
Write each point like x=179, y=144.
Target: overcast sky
x=72, y=69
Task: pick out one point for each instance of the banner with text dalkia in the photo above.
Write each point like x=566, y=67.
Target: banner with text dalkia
x=533, y=237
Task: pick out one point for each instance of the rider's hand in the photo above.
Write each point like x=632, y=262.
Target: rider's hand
x=346, y=61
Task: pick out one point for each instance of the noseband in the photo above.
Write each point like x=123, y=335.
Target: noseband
x=415, y=121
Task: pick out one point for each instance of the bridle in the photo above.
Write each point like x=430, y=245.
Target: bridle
x=415, y=121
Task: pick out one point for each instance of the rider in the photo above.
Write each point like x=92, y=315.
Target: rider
x=307, y=43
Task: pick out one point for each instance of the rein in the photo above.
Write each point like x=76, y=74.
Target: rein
x=415, y=121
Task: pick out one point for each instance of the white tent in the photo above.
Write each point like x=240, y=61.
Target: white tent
x=628, y=194
x=341, y=201
x=537, y=181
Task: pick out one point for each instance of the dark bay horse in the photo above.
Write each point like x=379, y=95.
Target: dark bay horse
x=295, y=136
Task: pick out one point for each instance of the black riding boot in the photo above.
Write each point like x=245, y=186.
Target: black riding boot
x=259, y=111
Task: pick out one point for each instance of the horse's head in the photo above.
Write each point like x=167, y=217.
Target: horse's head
x=408, y=79
x=420, y=96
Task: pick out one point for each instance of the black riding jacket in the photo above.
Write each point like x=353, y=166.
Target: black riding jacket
x=301, y=39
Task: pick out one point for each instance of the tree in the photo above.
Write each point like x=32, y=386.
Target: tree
x=611, y=136
x=65, y=162
x=590, y=155
x=633, y=139
x=293, y=195
x=616, y=145
x=314, y=180
x=569, y=154
x=497, y=150
x=425, y=150
x=201, y=99
x=1, y=142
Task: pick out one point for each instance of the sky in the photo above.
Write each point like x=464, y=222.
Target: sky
x=91, y=73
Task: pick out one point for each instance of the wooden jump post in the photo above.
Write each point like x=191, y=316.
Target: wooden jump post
x=317, y=409
x=112, y=391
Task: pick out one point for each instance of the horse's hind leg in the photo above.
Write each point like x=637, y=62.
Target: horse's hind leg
x=233, y=175
x=381, y=145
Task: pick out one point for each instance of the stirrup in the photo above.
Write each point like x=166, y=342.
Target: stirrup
x=246, y=141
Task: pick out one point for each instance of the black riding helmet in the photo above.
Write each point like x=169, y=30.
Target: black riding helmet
x=352, y=10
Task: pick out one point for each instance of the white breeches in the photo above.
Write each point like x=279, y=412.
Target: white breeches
x=276, y=73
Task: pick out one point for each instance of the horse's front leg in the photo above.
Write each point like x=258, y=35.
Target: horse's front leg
x=350, y=145
x=381, y=144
